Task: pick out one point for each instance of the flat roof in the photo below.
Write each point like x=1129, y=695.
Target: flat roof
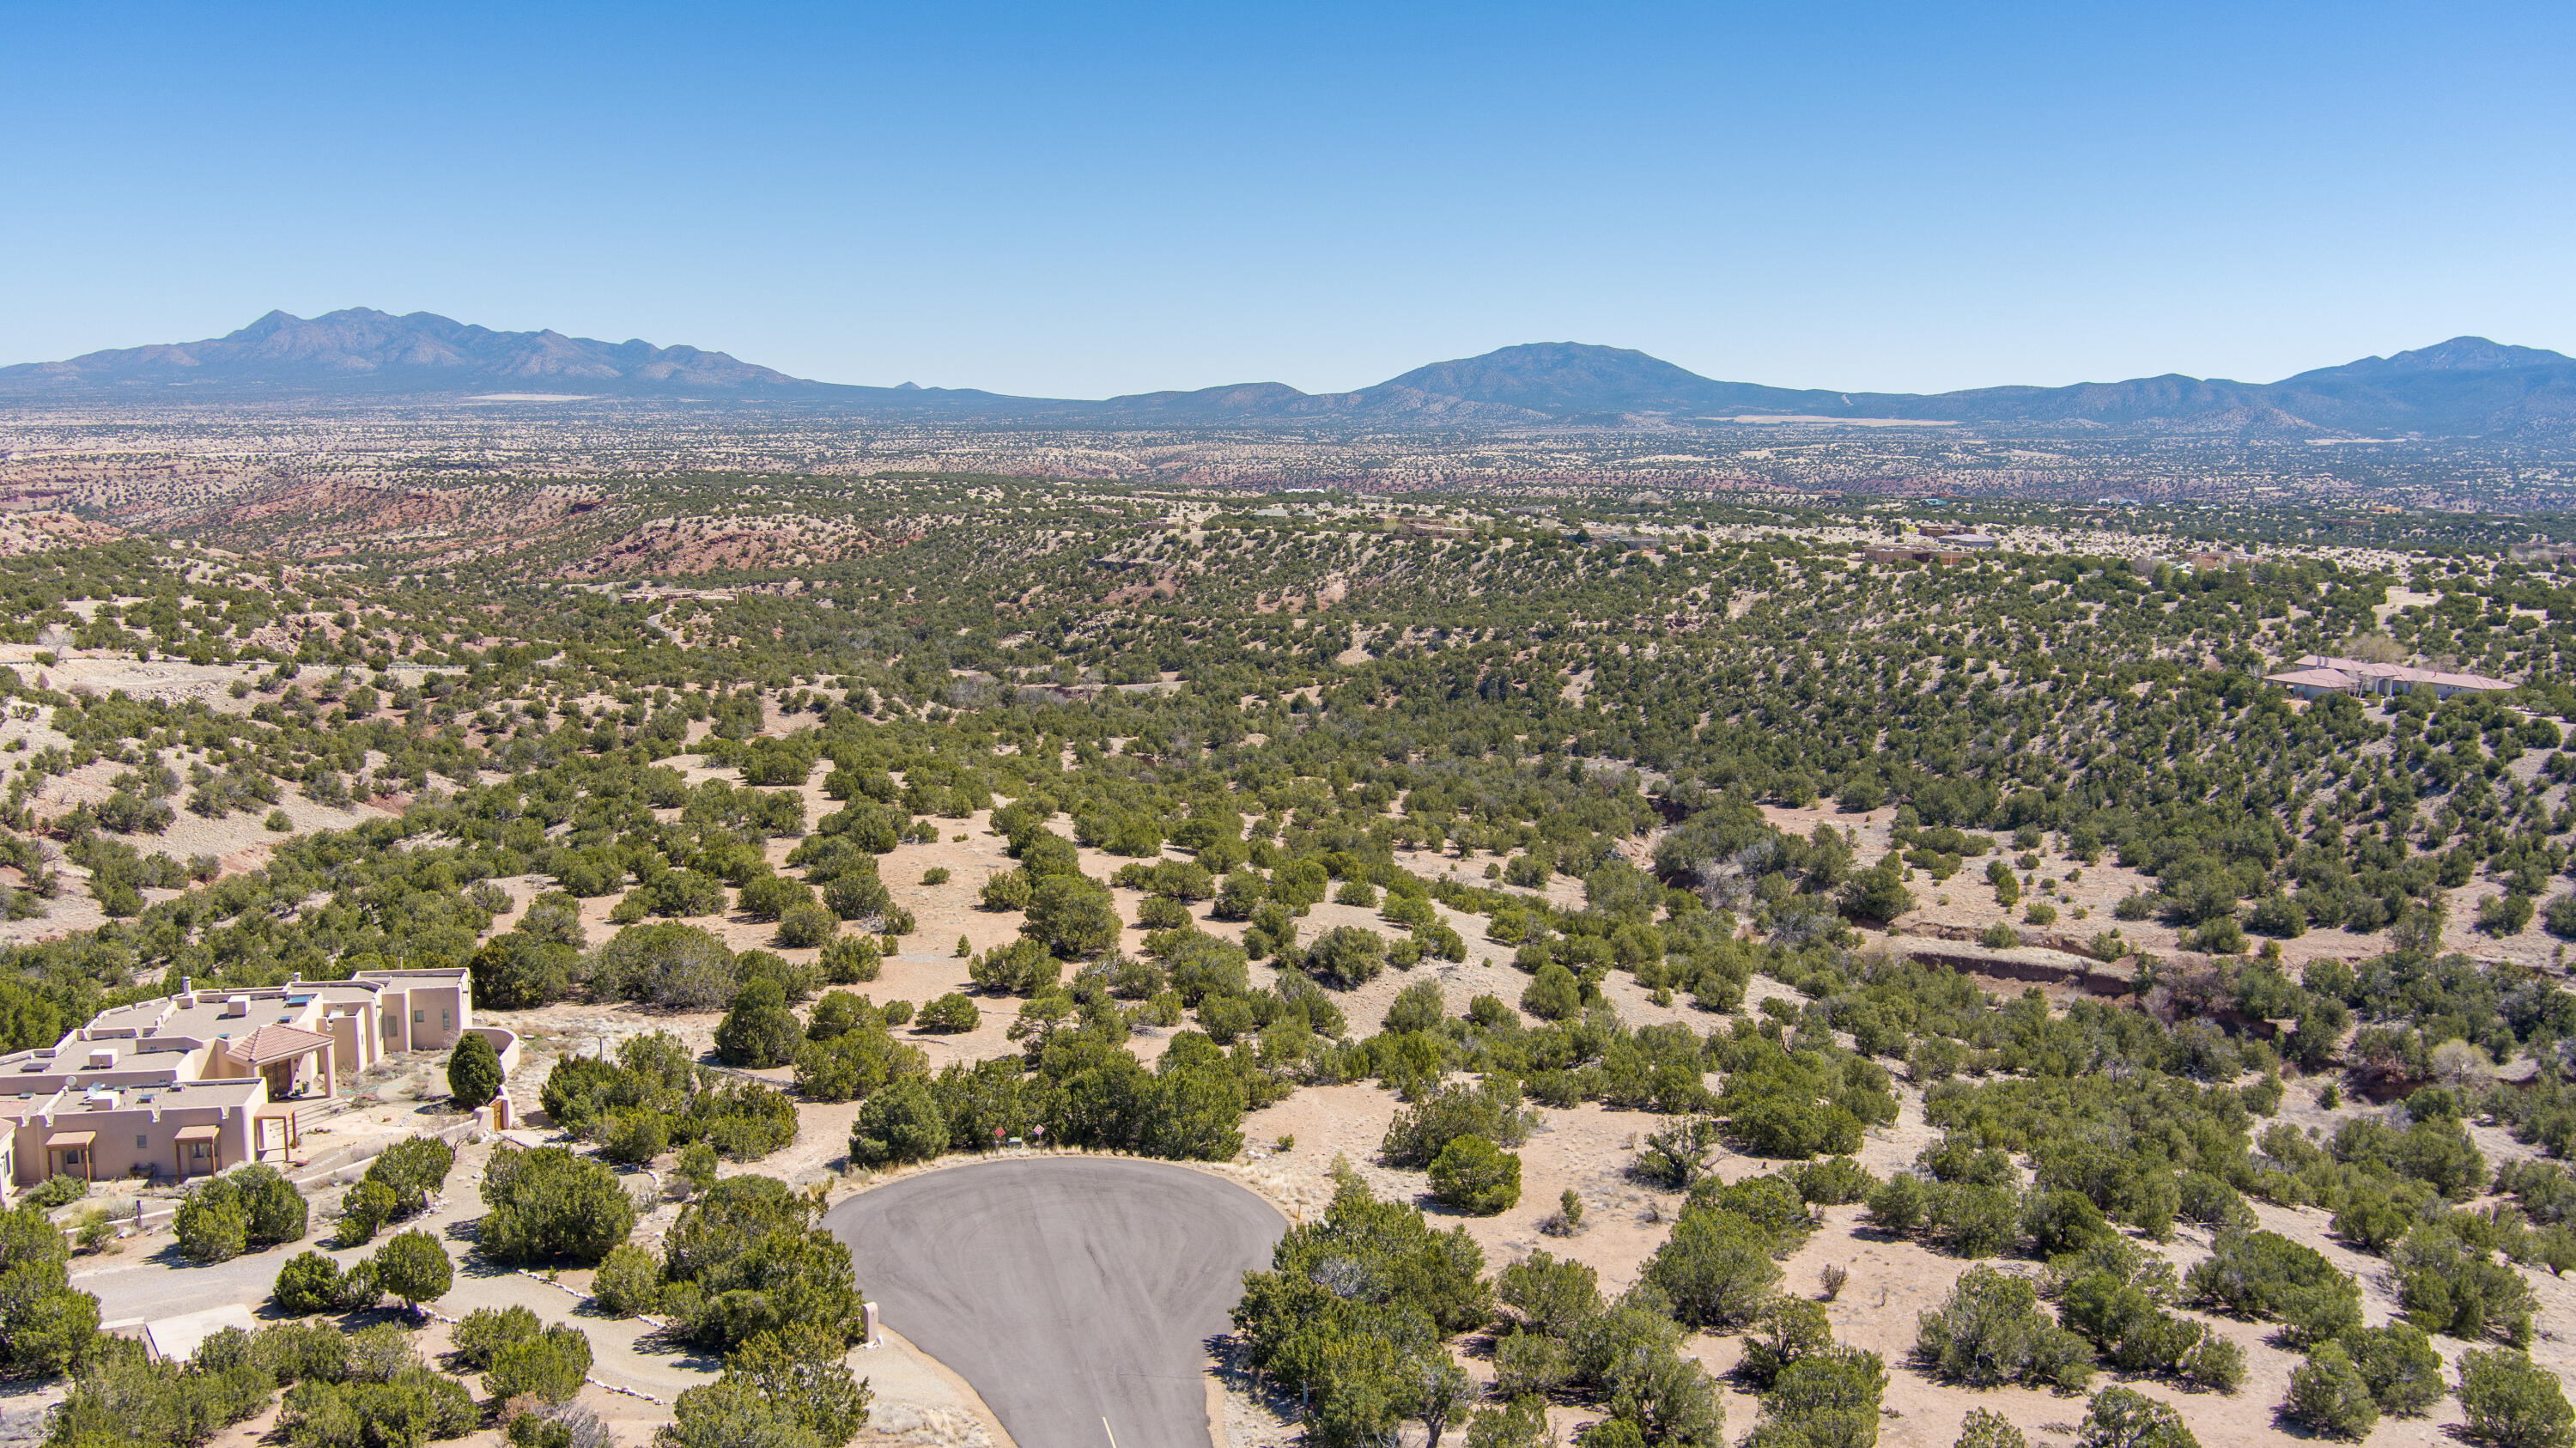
x=176, y=1339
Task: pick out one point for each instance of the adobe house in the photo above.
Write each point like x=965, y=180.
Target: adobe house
x=2321, y=674
x=190, y=1084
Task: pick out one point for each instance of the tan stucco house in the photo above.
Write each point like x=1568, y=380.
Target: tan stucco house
x=190, y=1084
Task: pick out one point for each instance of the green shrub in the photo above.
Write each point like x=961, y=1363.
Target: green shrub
x=1770, y=1203
x=2448, y=1286
x=2398, y=1363
x=1398, y=1288
x=1984, y=1428
x=1347, y=955
x=2062, y=1221
x=950, y=1014
x=1991, y=1331
x=413, y=1169
x=521, y=970
x=2122, y=1418
x=758, y=1031
x=635, y=1136
x=2266, y=1275
x=2212, y=1202
x=1828, y=1399
x=307, y=1284
x=792, y=1386
x=473, y=1071
x=1970, y=1219
x=548, y=1366
x=748, y=1257
x=250, y=1206
x=1476, y=1176
x=2512, y=1403
x=486, y=1330
x=1677, y=1153
x=1072, y=916
x=1555, y=1297
x=1490, y=1109
x=359, y=1289
x=1789, y=1330
x=1896, y=1205
x=1716, y=1269
x=851, y=960
x=212, y=1225
x=120, y=1398
x=1787, y=1125
x=854, y=1064
x=628, y=1282
x=2327, y=1394
x=1555, y=994
x=902, y=1123
x=549, y=1204
x=412, y=1408
x=805, y=925
x=1836, y=1181
x=56, y=1191
x=412, y=1267
x=697, y=1165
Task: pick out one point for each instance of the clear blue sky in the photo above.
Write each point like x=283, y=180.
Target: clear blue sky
x=1082, y=200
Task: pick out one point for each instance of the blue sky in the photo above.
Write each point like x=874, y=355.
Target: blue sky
x=1084, y=200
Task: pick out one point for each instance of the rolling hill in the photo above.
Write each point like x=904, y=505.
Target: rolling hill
x=2465, y=386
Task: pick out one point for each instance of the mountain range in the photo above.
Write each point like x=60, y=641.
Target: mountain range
x=2465, y=386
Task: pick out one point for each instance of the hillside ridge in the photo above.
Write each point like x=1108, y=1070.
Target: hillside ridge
x=2465, y=385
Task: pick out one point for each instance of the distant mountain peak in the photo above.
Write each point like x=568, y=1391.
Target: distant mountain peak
x=362, y=349
x=2472, y=354
x=1569, y=378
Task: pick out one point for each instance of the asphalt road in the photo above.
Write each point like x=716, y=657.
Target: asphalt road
x=1070, y=1291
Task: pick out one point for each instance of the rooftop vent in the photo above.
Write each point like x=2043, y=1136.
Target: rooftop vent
x=237, y=1005
x=102, y=1058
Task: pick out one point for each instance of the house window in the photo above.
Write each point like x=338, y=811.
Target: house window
x=443, y=1020
x=419, y=1016
x=140, y=1143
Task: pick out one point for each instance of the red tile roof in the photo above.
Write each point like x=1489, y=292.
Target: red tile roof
x=275, y=1043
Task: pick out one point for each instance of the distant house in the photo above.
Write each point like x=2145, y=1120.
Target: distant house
x=190, y=1084
x=2315, y=683
x=1913, y=550
x=2321, y=674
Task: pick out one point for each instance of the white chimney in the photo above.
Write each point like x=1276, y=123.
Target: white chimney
x=187, y=991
